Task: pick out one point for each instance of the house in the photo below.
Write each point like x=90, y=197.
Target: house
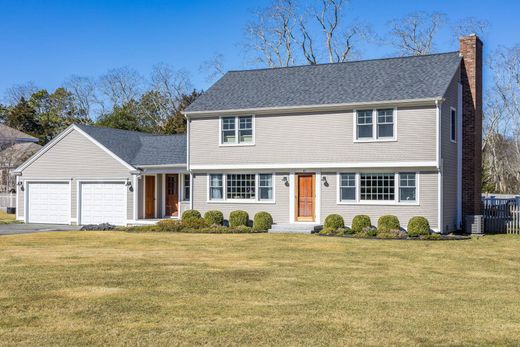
x=397, y=136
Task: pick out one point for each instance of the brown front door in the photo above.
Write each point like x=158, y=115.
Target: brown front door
x=172, y=195
x=305, y=197
x=149, y=199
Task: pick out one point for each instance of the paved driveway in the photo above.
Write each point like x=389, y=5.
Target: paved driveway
x=11, y=229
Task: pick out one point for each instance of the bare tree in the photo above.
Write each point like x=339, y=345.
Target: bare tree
x=83, y=90
x=214, y=67
x=415, y=33
x=470, y=25
x=121, y=85
x=14, y=93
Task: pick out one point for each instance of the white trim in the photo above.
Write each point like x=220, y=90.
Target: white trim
x=108, y=180
x=456, y=124
x=397, y=197
x=191, y=191
x=163, y=195
x=237, y=131
x=163, y=166
x=292, y=197
x=61, y=136
x=369, y=165
x=26, y=196
x=375, y=134
x=440, y=197
x=188, y=121
x=17, y=214
x=438, y=133
x=257, y=110
x=459, y=157
x=225, y=200
x=317, y=198
x=135, y=183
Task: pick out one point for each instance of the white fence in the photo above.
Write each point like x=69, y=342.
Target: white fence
x=7, y=200
x=513, y=226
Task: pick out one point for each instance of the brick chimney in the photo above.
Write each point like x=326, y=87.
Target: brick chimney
x=471, y=80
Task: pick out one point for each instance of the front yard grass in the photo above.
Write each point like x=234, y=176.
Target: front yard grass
x=115, y=288
x=7, y=218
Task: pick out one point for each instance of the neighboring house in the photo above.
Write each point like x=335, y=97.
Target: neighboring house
x=15, y=148
x=397, y=136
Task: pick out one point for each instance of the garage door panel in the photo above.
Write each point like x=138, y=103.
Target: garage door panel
x=48, y=202
x=103, y=202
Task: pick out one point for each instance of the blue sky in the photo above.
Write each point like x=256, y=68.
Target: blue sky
x=47, y=41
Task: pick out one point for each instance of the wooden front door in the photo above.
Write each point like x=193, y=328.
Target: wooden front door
x=149, y=199
x=172, y=195
x=305, y=197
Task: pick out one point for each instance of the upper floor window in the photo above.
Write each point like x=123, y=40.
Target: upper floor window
x=453, y=125
x=236, y=130
x=373, y=125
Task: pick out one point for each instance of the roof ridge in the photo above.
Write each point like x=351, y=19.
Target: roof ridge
x=346, y=62
x=126, y=131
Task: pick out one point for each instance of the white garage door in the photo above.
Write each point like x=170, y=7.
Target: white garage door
x=103, y=202
x=48, y=202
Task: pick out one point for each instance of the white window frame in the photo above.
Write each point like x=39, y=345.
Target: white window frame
x=183, y=186
x=453, y=110
x=375, y=136
x=397, y=198
x=356, y=187
x=256, y=200
x=237, y=131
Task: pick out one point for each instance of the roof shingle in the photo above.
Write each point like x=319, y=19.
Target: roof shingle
x=404, y=78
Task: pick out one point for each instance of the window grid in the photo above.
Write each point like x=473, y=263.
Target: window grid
x=385, y=123
x=347, y=187
x=228, y=130
x=245, y=129
x=186, y=193
x=240, y=186
x=364, y=124
x=216, y=187
x=379, y=187
x=265, y=186
x=236, y=130
x=407, y=186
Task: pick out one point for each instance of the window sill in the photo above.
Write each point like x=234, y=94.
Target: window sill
x=270, y=202
x=378, y=203
x=375, y=140
x=453, y=141
x=236, y=144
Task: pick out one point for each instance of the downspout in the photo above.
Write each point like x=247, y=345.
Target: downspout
x=438, y=105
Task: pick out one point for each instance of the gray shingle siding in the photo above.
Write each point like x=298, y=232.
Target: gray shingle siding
x=390, y=79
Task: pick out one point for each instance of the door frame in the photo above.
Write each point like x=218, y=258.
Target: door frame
x=27, y=183
x=179, y=199
x=293, y=197
x=296, y=197
x=79, y=182
x=144, y=195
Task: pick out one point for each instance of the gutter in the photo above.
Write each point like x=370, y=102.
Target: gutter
x=328, y=107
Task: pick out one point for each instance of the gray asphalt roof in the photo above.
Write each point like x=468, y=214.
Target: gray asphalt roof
x=138, y=148
x=405, y=78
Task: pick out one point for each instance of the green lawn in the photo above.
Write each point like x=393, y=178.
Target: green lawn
x=115, y=288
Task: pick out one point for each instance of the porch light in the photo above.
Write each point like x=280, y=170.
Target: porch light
x=285, y=181
x=324, y=180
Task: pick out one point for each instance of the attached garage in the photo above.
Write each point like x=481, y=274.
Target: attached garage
x=48, y=202
x=102, y=202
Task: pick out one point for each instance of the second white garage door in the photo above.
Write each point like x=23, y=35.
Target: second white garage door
x=103, y=202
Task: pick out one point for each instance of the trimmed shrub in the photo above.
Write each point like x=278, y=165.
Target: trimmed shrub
x=194, y=223
x=360, y=222
x=418, y=226
x=262, y=221
x=214, y=217
x=327, y=231
x=334, y=221
x=238, y=218
x=387, y=223
x=190, y=214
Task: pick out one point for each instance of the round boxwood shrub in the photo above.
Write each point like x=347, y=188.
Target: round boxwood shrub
x=214, y=217
x=237, y=218
x=360, y=222
x=418, y=226
x=191, y=214
x=334, y=221
x=262, y=221
x=387, y=223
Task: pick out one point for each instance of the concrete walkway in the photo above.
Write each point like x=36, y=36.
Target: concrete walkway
x=13, y=229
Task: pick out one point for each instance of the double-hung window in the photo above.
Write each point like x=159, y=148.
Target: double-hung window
x=373, y=125
x=241, y=187
x=186, y=188
x=236, y=130
x=407, y=187
x=347, y=187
